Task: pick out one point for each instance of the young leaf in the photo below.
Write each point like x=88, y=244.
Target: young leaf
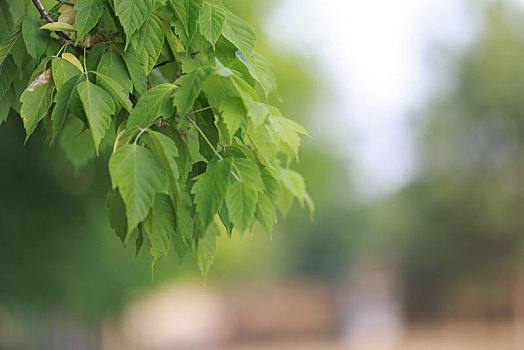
x=149, y=107
x=72, y=58
x=211, y=22
x=258, y=112
x=148, y=42
x=98, y=106
x=57, y=27
x=190, y=87
x=210, y=189
x=139, y=176
x=233, y=111
x=132, y=14
x=36, y=100
x=88, y=12
x=294, y=182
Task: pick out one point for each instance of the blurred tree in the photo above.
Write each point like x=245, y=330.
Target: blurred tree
x=458, y=226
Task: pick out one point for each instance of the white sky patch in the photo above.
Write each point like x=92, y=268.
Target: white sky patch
x=373, y=52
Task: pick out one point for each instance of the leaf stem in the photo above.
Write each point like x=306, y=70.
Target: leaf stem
x=209, y=142
x=142, y=131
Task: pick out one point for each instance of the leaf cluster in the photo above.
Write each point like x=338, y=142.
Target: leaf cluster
x=177, y=91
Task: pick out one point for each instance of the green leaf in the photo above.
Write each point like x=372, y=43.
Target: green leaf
x=190, y=86
x=36, y=100
x=139, y=176
x=35, y=39
x=240, y=34
x=148, y=42
x=57, y=27
x=258, y=112
x=112, y=65
x=207, y=247
x=136, y=70
x=78, y=146
x=242, y=197
x=5, y=107
x=179, y=6
x=233, y=111
x=206, y=122
x=115, y=89
x=166, y=151
x=74, y=60
x=88, y=12
x=160, y=227
x=63, y=70
x=210, y=189
x=150, y=106
x=260, y=69
x=98, y=106
x=132, y=14
x=64, y=99
x=211, y=22
x=241, y=201
x=184, y=213
x=265, y=213
x=9, y=42
x=175, y=44
x=7, y=73
x=271, y=186
x=294, y=182
x=193, y=10
x=117, y=213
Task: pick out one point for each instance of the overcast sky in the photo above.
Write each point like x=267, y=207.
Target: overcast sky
x=375, y=53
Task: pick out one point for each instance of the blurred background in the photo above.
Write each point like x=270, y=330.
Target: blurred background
x=416, y=168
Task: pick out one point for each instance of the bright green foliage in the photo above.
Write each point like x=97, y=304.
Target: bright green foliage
x=88, y=12
x=173, y=87
x=211, y=22
x=98, y=106
x=139, y=177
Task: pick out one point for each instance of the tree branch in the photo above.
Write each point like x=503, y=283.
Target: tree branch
x=45, y=15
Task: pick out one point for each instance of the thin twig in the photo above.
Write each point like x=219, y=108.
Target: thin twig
x=210, y=144
x=199, y=110
x=66, y=2
x=162, y=64
x=45, y=15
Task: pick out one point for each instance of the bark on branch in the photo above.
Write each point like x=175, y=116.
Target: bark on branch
x=48, y=19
